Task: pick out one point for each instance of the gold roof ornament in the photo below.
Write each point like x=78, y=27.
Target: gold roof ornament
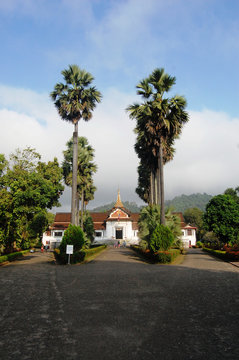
x=119, y=202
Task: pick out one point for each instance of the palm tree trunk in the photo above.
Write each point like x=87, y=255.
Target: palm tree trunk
x=151, y=190
x=161, y=182
x=77, y=208
x=82, y=208
x=156, y=182
x=158, y=185
x=74, y=176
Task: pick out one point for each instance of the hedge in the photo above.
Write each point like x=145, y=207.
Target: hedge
x=218, y=253
x=229, y=255
x=13, y=256
x=162, y=257
x=78, y=256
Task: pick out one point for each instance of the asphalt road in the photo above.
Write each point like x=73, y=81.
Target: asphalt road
x=118, y=307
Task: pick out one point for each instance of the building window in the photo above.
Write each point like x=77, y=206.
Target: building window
x=189, y=232
x=98, y=233
x=58, y=233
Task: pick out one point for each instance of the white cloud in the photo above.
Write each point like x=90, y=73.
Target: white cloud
x=206, y=158
x=28, y=118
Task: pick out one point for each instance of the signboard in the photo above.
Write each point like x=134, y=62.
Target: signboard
x=69, y=249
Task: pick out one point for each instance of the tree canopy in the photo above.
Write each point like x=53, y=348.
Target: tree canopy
x=28, y=187
x=159, y=121
x=222, y=217
x=86, y=168
x=75, y=99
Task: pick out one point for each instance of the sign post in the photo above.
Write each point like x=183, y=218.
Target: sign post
x=69, y=251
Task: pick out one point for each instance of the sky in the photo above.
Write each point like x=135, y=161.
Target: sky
x=120, y=42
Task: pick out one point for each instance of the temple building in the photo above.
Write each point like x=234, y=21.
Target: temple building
x=118, y=224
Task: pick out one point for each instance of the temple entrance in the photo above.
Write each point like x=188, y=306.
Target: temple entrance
x=119, y=234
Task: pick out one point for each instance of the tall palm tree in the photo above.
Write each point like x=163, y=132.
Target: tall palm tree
x=75, y=100
x=160, y=119
x=85, y=170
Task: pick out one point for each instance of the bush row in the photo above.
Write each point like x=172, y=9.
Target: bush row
x=228, y=255
x=218, y=253
x=13, y=256
x=162, y=256
x=78, y=256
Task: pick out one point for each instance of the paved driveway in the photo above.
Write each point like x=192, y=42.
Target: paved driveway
x=118, y=307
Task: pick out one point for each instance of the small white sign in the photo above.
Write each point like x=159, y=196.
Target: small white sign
x=69, y=249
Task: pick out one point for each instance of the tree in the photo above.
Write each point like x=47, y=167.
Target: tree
x=38, y=225
x=234, y=193
x=161, y=239
x=149, y=219
x=222, y=217
x=85, y=170
x=159, y=122
x=28, y=187
x=75, y=100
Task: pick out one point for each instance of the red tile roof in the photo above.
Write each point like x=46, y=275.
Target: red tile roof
x=62, y=220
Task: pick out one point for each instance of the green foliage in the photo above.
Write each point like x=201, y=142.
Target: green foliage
x=162, y=257
x=166, y=257
x=221, y=254
x=199, y=244
x=27, y=187
x=222, y=217
x=159, y=121
x=173, y=222
x=88, y=227
x=86, y=167
x=72, y=236
x=211, y=240
x=75, y=99
x=92, y=251
x=50, y=218
x=234, y=193
x=183, y=202
x=161, y=239
x=79, y=256
x=13, y=256
x=149, y=219
x=39, y=224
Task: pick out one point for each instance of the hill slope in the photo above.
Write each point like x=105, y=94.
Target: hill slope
x=183, y=202
x=179, y=203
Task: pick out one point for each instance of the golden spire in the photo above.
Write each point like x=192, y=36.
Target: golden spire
x=119, y=202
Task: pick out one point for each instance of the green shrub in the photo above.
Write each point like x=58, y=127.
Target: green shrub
x=199, y=244
x=93, y=251
x=218, y=253
x=166, y=257
x=78, y=256
x=72, y=236
x=161, y=239
x=163, y=257
x=13, y=256
x=3, y=258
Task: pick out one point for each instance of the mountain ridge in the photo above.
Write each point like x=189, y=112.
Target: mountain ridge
x=178, y=203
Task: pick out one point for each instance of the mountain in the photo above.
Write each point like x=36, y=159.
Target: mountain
x=183, y=202
x=179, y=203
x=131, y=206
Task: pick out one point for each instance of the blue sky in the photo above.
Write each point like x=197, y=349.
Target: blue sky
x=121, y=42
